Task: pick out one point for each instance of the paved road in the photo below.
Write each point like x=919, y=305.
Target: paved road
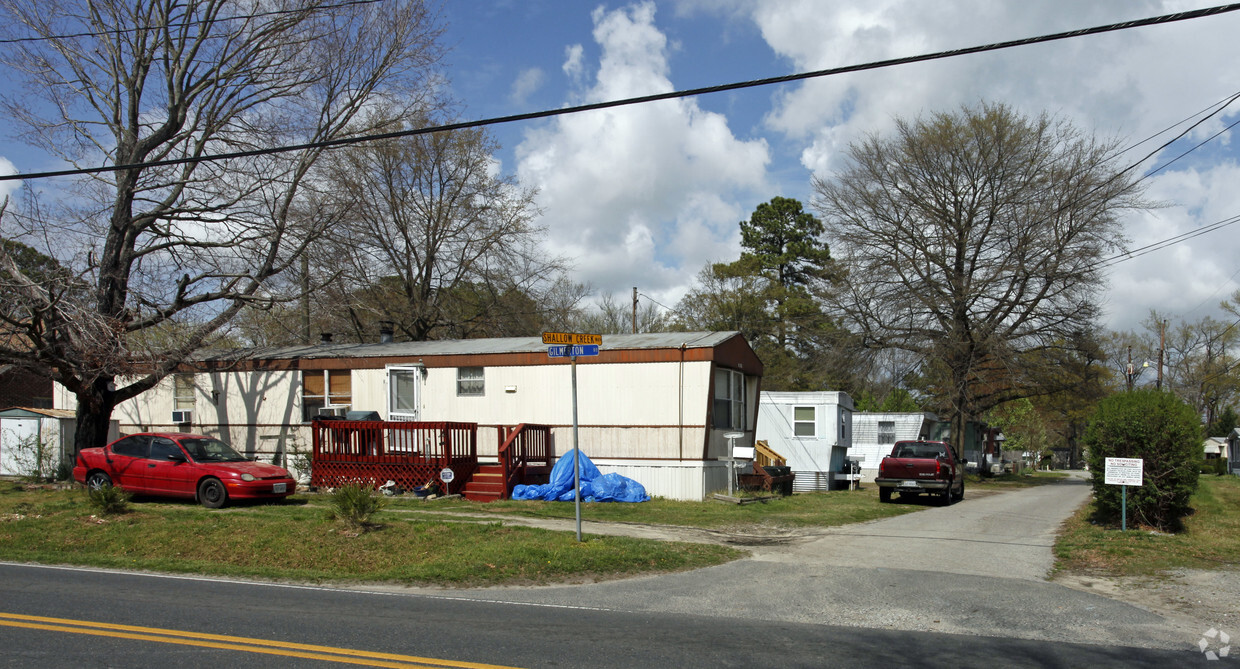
x=956, y=586
x=976, y=567
x=117, y=619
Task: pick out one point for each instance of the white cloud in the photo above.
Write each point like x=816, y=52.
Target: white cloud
x=528, y=81
x=1189, y=279
x=574, y=67
x=641, y=195
x=1129, y=84
x=8, y=187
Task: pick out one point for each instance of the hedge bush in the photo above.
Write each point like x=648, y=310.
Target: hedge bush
x=1166, y=434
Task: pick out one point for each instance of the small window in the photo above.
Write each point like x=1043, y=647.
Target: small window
x=804, y=422
x=320, y=388
x=469, y=382
x=183, y=391
x=886, y=432
x=729, y=405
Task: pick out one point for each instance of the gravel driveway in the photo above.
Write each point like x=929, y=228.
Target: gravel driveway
x=976, y=567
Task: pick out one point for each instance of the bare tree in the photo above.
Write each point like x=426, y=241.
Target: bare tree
x=612, y=316
x=1197, y=365
x=170, y=246
x=973, y=239
x=436, y=242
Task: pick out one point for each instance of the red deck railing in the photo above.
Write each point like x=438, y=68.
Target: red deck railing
x=522, y=447
x=409, y=453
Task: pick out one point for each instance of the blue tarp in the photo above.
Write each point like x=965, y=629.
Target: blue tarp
x=595, y=486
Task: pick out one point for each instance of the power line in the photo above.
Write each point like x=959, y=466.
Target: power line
x=185, y=24
x=873, y=65
x=1170, y=241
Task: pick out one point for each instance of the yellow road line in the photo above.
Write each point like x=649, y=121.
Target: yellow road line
x=221, y=641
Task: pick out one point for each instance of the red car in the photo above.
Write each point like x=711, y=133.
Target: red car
x=181, y=465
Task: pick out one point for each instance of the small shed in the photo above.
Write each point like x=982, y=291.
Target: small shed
x=813, y=430
x=874, y=433
x=35, y=439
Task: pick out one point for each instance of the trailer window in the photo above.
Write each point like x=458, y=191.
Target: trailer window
x=804, y=423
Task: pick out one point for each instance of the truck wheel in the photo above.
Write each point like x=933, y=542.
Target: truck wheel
x=946, y=497
x=884, y=495
x=961, y=495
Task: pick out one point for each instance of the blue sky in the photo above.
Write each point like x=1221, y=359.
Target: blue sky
x=647, y=195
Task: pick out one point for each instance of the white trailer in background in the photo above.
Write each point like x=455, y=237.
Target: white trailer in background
x=813, y=430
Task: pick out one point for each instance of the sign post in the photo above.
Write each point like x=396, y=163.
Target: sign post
x=1124, y=472
x=570, y=345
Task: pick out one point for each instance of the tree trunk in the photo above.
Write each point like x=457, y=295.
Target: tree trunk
x=94, y=412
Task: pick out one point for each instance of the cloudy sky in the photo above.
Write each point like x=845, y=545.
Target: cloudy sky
x=646, y=195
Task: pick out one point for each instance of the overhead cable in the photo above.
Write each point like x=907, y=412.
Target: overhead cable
x=874, y=65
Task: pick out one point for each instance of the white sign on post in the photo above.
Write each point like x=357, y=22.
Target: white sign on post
x=1123, y=471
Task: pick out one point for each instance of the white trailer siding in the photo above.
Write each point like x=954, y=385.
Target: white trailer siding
x=875, y=433
x=644, y=405
x=816, y=454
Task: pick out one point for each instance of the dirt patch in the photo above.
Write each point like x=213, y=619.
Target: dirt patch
x=1192, y=597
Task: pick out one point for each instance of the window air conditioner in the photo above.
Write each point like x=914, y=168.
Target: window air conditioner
x=182, y=416
x=338, y=410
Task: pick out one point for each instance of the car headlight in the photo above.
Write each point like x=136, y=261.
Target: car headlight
x=247, y=477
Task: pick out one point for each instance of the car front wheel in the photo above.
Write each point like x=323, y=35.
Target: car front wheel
x=98, y=480
x=211, y=493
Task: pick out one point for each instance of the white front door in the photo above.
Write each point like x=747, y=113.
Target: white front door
x=404, y=393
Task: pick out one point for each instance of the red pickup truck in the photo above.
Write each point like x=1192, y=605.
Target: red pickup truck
x=916, y=467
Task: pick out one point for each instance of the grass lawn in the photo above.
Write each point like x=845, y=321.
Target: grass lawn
x=823, y=509
x=298, y=541
x=1210, y=540
x=1005, y=481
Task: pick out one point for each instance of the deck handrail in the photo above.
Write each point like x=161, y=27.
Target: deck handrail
x=410, y=453
x=519, y=446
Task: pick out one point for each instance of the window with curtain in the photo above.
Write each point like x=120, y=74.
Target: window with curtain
x=469, y=382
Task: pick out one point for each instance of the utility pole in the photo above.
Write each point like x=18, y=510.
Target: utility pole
x=1162, y=345
x=1129, y=369
x=634, y=309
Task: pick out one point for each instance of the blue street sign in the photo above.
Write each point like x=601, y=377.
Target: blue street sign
x=579, y=351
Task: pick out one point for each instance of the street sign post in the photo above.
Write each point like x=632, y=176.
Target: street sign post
x=1123, y=472
x=570, y=345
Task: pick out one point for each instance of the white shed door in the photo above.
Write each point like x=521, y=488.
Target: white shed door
x=14, y=432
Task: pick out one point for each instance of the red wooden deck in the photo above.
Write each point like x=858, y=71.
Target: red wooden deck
x=413, y=454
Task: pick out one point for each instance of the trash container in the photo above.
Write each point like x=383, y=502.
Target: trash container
x=785, y=487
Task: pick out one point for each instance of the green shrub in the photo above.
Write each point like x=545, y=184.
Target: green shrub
x=1166, y=434
x=1214, y=467
x=355, y=504
x=108, y=500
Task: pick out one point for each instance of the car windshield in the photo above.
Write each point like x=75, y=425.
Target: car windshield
x=211, y=450
x=920, y=450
